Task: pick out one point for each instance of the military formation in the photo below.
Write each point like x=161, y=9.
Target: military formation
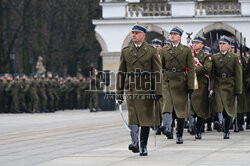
x=188, y=84
x=47, y=92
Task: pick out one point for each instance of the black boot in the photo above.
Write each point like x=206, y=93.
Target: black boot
x=134, y=146
x=218, y=125
x=180, y=127
x=144, y=141
x=158, y=130
x=226, y=128
x=199, y=126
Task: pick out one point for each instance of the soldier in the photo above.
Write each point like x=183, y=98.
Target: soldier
x=56, y=86
x=95, y=87
x=31, y=90
x=81, y=92
x=137, y=63
x=22, y=94
x=178, y=82
x=167, y=42
x=50, y=92
x=2, y=93
x=227, y=74
x=42, y=92
x=13, y=88
x=199, y=100
x=158, y=45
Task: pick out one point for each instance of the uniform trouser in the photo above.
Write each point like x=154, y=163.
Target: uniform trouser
x=227, y=122
x=93, y=100
x=180, y=126
x=199, y=124
x=22, y=105
x=134, y=134
x=56, y=100
x=167, y=120
x=15, y=104
x=50, y=101
x=144, y=136
x=248, y=118
x=43, y=101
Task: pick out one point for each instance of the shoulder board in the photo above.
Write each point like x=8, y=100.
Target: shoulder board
x=125, y=47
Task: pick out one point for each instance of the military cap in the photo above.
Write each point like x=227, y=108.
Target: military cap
x=167, y=41
x=55, y=74
x=32, y=74
x=200, y=39
x=139, y=27
x=21, y=75
x=42, y=73
x=207, y=49
x=156, y=42
x=15, y=75
x=225, y=39
x=177, y=30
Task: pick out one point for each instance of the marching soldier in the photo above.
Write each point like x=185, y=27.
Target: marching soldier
x=137, y=63
x=158, y=45
x=178, y=82
x=227, y=74
x=167, y=42
x=42, y=92
x=199, y=100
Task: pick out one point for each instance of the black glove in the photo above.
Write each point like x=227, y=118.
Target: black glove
x=157, y=98
x=190, y=91
x=119, y=99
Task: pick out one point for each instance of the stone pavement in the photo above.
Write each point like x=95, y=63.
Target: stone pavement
x=81, y=138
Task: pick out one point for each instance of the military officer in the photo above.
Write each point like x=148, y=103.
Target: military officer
x=199, y=100
x=227, y=74
x=167, y=42
x=158, y=45
x=178, y=82
x=138, y=64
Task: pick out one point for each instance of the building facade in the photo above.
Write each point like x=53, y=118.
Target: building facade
x=204, y=17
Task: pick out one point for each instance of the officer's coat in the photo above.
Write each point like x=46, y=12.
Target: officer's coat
x=199, y=100
x=226, y=88
x=176, y=84
x=140, y=108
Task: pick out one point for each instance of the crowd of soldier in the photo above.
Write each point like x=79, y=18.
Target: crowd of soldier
x=40, y=93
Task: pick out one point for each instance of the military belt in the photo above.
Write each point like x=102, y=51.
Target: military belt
x=138, y=74
x=175, y=70
x=224, y=75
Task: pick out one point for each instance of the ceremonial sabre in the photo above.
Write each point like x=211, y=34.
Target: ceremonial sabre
x=154, y=123
x=236, y=111
x=124, y=122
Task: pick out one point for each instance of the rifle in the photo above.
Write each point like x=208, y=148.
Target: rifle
x=235, y=43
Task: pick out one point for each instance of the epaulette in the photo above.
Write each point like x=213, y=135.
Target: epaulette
x=125, y=47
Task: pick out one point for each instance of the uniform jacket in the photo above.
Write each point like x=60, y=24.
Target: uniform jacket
x=138, y=89
x=176, y=84
x=226, y=88
x=199, y=100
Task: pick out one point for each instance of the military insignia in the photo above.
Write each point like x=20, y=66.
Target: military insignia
x=239, y=61
x=210, y=58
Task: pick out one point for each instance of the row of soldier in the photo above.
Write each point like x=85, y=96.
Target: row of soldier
x=197, y=46
x=38, y=93
x=195, y=85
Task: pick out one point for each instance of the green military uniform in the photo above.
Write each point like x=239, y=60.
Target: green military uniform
x=95, y=87
x=42, y=93
x=22, y=94
x=199, y=100
x=140, y=111
x=176, y=82
x=227, y=72
x=81, y=94
x=63, y=94
x=31, y=90
x=13, y=89
x=247, y=83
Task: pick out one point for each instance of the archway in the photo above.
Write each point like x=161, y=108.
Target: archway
x=213, y=32
x=101, y=42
